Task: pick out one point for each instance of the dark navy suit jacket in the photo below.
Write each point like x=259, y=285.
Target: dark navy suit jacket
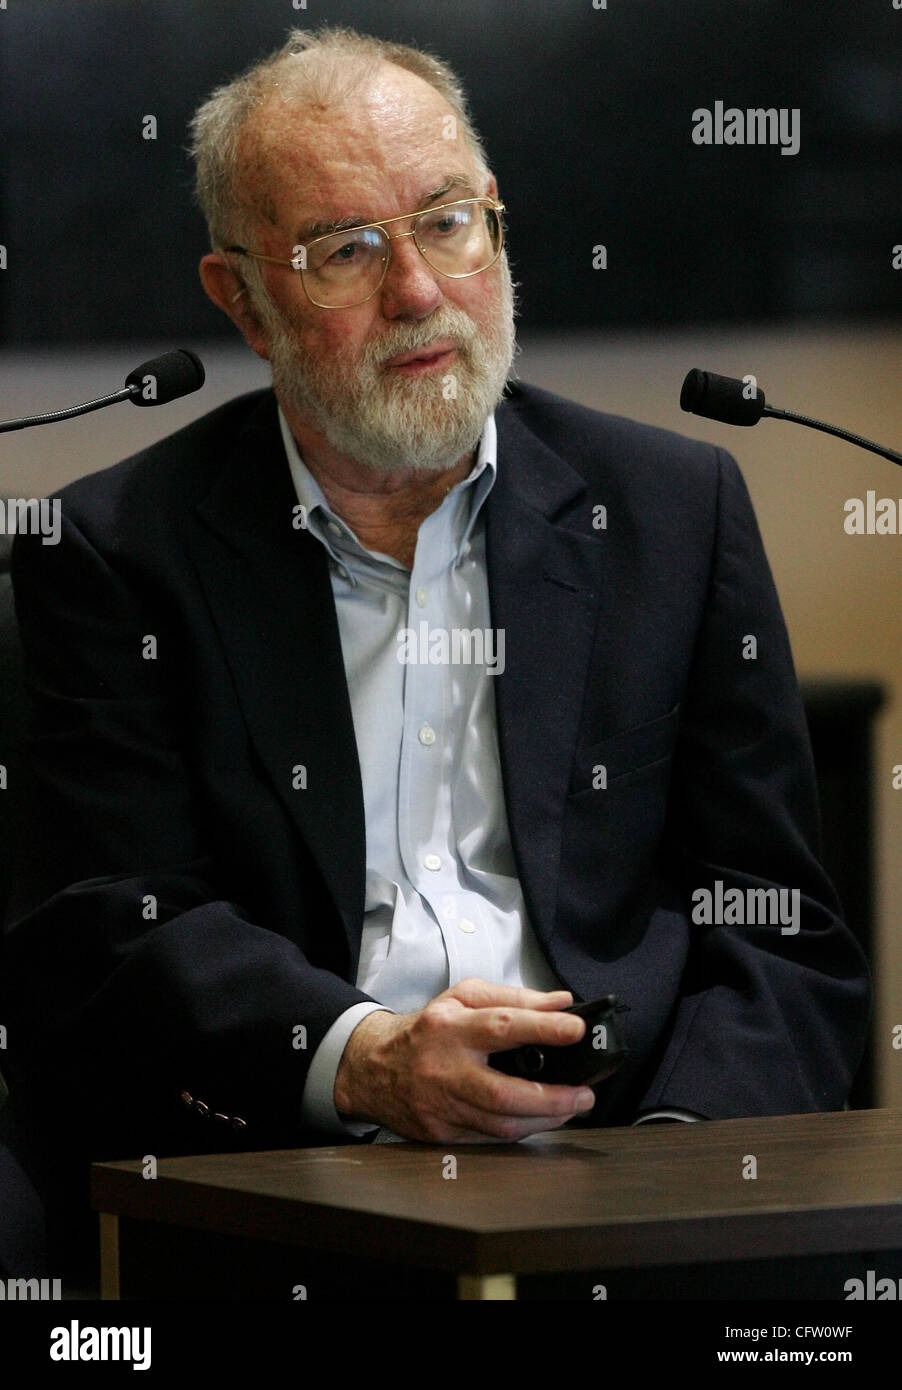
x=187, y=907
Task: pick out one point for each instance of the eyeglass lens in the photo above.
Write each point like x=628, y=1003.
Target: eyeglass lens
x=456, y=241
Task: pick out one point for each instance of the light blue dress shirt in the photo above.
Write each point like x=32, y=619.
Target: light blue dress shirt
x=443, y=900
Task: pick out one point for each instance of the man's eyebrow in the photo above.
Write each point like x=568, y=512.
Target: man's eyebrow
x=454, y=182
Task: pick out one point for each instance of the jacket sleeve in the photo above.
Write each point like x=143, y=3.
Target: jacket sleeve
x=142, y=1005
x=773, y=1010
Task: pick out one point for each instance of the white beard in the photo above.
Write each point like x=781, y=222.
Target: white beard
x=389, y=422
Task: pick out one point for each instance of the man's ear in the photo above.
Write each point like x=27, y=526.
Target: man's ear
x=229, y=294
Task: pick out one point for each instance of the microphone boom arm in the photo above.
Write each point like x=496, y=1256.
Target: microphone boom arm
x=776, y=414
x=54, y=415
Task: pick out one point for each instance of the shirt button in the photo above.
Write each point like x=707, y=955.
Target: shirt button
x=426, y=735
x=433, y=862
x=421, y=597
x=466, y=548
x=334, y=528
x=342, y=572
x=466, y=925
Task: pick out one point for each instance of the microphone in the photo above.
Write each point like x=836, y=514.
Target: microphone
x=721, y=398
x=164, y=379
x=156, y=382
x=735, y=402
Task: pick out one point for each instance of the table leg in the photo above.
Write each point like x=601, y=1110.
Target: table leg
x=487, y=1286
x=109, y=1257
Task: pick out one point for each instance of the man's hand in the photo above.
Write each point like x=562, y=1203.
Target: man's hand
x=424, y=1075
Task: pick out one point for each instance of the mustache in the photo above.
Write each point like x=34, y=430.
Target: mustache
x=457, y=328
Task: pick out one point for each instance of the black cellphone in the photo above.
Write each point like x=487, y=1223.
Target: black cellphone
x=597, y=1055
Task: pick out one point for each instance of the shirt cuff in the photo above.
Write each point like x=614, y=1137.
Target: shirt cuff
x=668, y=1115
x=317, y=1103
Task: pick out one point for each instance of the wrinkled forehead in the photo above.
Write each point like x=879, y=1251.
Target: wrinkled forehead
x=306, y=162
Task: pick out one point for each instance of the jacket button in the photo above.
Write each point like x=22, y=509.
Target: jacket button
x=201, y=1109
x=238, y=1123
x=187, y=1099
x=217, y=1116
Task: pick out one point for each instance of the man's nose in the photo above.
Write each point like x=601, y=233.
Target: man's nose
x=411, y=287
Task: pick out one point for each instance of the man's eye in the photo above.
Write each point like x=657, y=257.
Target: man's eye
x=451, y=223
x=344, y=253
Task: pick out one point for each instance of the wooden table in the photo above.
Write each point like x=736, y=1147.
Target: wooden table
x=479, y=1216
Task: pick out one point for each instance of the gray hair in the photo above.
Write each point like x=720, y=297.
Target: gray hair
x=324, y=66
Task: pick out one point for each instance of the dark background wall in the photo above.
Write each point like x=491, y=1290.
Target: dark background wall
x=587, y=117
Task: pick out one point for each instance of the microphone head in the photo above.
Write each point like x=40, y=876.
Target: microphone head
x=724, y=398
x=165, y=378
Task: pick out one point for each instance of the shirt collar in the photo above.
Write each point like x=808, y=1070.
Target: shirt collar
x=320, y=519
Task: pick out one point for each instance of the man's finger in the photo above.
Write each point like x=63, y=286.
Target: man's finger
x=489, y=1092
x=481, y=994
x=506, y=1125
x=513, y=1130
x=497, y=1029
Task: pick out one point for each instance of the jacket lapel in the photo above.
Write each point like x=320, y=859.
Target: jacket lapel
x=544, y=593
x=270, y=594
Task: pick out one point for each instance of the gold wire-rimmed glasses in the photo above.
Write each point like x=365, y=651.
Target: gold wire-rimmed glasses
x=345, y=268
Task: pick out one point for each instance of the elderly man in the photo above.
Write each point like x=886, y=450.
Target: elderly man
x=304, y=863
